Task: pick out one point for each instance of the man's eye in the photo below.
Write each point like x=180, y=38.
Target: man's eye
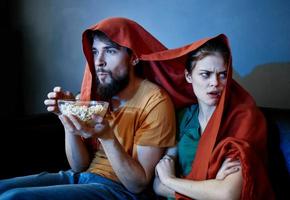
x=111, y=51
x=95, y=52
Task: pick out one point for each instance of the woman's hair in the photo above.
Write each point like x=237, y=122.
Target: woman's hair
x=212, y=47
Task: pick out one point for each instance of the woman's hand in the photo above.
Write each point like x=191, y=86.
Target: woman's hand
x=53, y=96
x=99, y=128
x=161, y=189
x=165, y=168
x=228, y=167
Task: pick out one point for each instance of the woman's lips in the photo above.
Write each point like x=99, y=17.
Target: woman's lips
x=214, y=94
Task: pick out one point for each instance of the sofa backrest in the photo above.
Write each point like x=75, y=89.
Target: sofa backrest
x=278, y=121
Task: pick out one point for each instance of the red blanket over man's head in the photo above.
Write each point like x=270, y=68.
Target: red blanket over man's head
x=128, y=33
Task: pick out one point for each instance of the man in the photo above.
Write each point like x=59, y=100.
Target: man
x=115, y=158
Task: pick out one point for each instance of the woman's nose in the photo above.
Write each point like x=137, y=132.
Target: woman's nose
x=214, y=80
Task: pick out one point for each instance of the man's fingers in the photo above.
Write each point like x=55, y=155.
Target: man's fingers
x=52, y=95
x=68, y=94
x=76, y=122
x=68, y=125
x=57, y=93
x=57, y=89
x=50, y=102
x=52, y=109
x=97, y=118
x=60, y=95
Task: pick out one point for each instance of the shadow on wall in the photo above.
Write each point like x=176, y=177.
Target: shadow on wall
x=269, y=84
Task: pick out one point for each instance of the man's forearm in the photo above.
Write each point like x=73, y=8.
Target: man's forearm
x=129, y=171
x=76, y=152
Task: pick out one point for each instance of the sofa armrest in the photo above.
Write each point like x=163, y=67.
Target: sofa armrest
x=32, y=144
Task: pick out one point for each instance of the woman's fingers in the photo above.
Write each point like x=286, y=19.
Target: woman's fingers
x=228, y=167
x=228, y=163
x=231, y=170
x=168, y=157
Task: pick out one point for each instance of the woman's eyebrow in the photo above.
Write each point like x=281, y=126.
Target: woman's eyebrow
x=205, y=70
x=225, y=71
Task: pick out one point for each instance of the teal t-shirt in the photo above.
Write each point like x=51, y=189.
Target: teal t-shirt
x=188, y=138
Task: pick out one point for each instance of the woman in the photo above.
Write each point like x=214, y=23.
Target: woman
x=222, y=125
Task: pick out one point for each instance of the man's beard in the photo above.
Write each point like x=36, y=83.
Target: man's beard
x=108, y=90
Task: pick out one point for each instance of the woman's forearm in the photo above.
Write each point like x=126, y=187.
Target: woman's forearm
x=229, y=188
x=161, y=189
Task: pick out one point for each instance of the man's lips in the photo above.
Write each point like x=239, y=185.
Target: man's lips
x=102, y=73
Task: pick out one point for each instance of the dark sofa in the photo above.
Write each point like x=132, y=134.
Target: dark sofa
x=35, y=143
x=31, y=144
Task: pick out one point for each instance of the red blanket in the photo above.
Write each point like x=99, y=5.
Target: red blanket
x=237, y=128
x=128, y=33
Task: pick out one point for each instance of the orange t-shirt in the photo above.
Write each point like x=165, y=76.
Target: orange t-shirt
x=147, y=119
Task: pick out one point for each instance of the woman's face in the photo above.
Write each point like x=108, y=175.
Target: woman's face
x=208, y=79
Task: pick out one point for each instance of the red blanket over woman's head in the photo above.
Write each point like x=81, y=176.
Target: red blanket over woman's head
x=237, y=128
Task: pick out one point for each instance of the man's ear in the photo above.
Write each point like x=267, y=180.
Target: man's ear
x=134, y=60
x=187, y=76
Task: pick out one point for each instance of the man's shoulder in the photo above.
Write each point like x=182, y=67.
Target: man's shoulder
x=151, y=88
x=150, y=94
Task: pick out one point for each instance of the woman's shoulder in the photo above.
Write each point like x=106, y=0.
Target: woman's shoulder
x=189, y=110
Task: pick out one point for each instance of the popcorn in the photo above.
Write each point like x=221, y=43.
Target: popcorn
x=83, y=110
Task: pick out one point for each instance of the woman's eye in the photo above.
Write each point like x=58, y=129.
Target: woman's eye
x=223, y=75
x=205, y=75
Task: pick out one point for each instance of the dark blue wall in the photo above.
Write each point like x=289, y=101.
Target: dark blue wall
x=259, y=32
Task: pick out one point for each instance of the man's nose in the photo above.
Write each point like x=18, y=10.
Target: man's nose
x=100, y=60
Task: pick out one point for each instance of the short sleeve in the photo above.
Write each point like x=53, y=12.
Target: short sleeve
x=158, y=126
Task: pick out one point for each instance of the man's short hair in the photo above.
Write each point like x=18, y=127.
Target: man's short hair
x=104, y=38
